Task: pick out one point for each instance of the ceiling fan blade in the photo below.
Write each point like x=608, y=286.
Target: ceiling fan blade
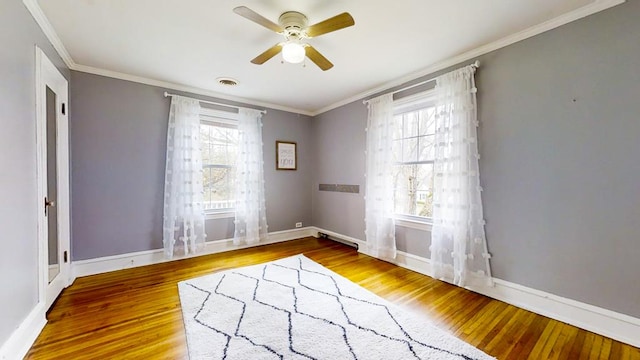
x=257, y=18
x=317, y=58
x=331, y=24
x=271, y=52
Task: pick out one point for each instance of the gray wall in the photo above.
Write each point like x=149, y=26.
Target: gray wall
x=559, y=132
x=339, y=143
x=18, y=188
x=559, y=141
x=118, y=143
x=118, y=147
x=288, y=197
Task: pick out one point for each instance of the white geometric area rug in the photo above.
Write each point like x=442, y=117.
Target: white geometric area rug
x=294, y=308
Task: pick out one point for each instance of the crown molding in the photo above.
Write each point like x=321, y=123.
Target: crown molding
x=590, y=9
x=595, y=7
x=41, y=19
x=185, y=88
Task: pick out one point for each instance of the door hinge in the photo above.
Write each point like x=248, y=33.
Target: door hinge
x=66, y=257
x=47, y=204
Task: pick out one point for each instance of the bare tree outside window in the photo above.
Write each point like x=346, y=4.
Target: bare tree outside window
x=219, y=145
x=413, y=151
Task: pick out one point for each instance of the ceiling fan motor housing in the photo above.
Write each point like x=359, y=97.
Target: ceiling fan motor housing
x=293, y=23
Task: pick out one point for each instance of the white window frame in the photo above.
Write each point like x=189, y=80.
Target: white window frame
x=403, y=105
x=210, y=116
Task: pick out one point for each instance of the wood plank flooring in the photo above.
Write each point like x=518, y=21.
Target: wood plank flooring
x=135, y=313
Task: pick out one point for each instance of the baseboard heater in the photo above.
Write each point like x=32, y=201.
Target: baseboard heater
x=337, y=239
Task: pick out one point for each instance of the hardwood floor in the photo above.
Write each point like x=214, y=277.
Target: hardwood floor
x=135, y=313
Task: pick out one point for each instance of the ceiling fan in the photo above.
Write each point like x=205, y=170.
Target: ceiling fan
x=293, y=26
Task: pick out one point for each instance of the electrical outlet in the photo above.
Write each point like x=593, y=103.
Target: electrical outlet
x=298, y=224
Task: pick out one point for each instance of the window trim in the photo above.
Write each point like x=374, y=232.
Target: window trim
x=212, y=117
x=414, y=102
x=404, y=105
x=219, y=115
x=413, y=222
x=213, y=214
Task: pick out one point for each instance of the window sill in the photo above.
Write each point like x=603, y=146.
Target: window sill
x=219, y=215
x=424, y=225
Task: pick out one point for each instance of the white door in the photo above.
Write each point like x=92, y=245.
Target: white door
x=52, y=140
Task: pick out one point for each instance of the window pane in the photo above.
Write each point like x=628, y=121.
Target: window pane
x=426, y=148
x=413, y=151
x=413, y=193
x=219, y=146
x=427, y=121
x=218, y=185
x=220, y=155
x=411, y=121
x=424, y=191
x=410, y=150
x=401, y=186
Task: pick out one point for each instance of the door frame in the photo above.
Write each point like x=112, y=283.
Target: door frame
x=47, y=75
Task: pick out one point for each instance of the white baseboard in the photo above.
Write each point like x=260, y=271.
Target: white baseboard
x=601, y=321
x=143, y=258
x=617, y=326
x=19, y=343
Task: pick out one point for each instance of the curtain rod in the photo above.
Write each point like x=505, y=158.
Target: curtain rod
x=166, y=94
x=476, y=64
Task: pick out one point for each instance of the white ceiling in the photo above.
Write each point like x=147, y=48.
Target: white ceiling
x=193, y=42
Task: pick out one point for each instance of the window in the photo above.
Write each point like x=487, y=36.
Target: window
x=413, y=154
x=219, y=146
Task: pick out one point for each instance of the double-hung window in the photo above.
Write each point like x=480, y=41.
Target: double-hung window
x=219, y=145
x=413, y=155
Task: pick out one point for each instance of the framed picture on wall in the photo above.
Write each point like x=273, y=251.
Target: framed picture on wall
x=286, y=155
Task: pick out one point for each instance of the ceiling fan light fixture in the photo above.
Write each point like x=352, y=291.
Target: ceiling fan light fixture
x=293, y=52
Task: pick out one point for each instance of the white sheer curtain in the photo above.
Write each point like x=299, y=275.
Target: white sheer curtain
x=251, y=215
x=183, y=225
x=458, y=243
x=380, y=225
